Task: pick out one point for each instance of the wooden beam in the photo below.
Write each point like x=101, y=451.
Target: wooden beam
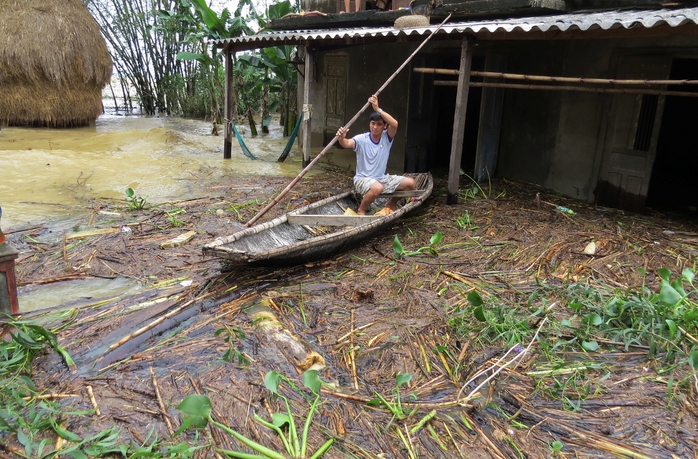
x=307, y=106
x=466, y=58
x=331, y=220
x=556, y=79
x=435, y=71
x=542, y=87
x=402, y=194
x=581, y=80
x=228, y=117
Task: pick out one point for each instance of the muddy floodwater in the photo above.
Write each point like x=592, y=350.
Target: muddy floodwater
x=55, y=174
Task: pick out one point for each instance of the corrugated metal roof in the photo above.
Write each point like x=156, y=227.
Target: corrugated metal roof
x=563, y=23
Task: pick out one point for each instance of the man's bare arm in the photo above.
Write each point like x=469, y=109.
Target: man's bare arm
x=342, y=139
x=392, y=122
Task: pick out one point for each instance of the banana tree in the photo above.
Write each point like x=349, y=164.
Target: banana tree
x=213, y=26
x=280, y=78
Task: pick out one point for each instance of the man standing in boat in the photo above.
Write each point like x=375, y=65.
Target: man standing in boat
x=372, y=151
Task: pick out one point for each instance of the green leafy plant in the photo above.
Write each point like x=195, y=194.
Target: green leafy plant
x=464, y=222
x=657, y=320
x=172, y=216
x=231, y=335
x=134, y=201
x=29, y=417
x=435, y=240
x=198, y=408
x=472, y=192
x=555, y=447
x=394, y=405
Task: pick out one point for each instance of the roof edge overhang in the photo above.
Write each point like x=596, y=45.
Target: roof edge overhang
x=607, y=24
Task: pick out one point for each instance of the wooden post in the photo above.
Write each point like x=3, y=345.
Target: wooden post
x=8, y=283
x=228, y=142
x=466, y=58
x=307, y=107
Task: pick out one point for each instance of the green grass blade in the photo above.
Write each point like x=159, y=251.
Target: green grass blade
x=251, y=443
x=306, y=426
x=240, y=455
x=322, y=449
x=275, y=429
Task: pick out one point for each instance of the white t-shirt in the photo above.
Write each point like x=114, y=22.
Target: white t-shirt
x=371, y=157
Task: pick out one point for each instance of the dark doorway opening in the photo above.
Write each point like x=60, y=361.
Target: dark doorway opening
x=675, y=170
x=430, y=117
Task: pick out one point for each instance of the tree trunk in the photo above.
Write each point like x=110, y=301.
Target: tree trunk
x=250, y=119
x=265, y=104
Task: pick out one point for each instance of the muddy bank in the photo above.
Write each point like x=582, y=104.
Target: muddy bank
x=372, y=317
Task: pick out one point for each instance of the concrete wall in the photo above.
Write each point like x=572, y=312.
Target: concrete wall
x=556, y=139
x=369, y=67
x=551, y=138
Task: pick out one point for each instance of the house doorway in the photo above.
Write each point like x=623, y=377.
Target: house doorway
x=673, y=182
x=631, y=136
x=431, y=111
x=335, y=71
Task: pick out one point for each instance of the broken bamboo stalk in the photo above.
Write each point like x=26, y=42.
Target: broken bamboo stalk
x=161, y=404
x=156, y=322
x=93, y=401
x=352, y=355
x=346, y=126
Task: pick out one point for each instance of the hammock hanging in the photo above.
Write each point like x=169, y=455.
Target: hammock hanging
x=244, y=148
x=289, y=144
x=246, y=151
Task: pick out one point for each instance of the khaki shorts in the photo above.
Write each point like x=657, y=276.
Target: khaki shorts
x=389, y=182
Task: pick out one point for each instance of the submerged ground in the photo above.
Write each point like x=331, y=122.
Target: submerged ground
x=517, y=342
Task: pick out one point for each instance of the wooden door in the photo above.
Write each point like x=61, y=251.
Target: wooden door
x=336, y=69
x=490, y=121
x=631, y=136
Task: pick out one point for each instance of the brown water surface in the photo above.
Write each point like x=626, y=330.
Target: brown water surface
x=49, y=173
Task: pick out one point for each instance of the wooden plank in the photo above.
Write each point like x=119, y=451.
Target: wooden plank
x=331, y=220
x=178, y=241
x=402, y=194
x=466, y=58
x=94, y=232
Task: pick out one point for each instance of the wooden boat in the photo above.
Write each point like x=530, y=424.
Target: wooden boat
x=315, y=231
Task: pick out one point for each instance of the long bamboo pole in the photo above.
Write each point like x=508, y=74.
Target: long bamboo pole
x=542, y=87
x=346, y=126
x=554, y=79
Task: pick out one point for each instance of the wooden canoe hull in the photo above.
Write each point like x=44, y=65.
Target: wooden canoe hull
x=280, y=243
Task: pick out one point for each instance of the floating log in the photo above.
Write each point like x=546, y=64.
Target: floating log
x=295, y=349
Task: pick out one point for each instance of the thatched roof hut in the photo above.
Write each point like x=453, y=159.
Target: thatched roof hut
x=54, y=63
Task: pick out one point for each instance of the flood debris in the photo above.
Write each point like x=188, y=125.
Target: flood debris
x=505, y=327
x=179, y=240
